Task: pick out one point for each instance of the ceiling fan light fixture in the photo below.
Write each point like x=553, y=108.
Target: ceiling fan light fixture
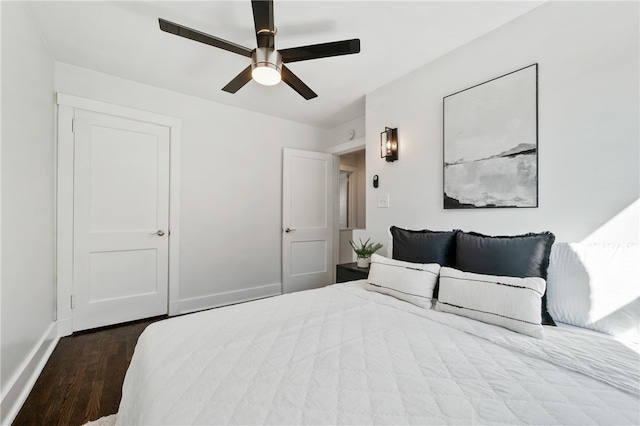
x=266, y=66
x=266, y=74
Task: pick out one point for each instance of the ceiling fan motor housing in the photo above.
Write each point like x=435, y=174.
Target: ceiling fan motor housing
x=266, y=66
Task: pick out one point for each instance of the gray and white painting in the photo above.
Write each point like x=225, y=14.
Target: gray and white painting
x=490, y=143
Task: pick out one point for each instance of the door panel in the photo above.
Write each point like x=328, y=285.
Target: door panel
x=121, y=201
x=308, y=257
x=307, y=249
x=118, y=181
x=117, y=274
x=308, y=183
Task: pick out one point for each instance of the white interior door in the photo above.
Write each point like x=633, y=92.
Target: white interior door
x=121, y=217
x=307, y=220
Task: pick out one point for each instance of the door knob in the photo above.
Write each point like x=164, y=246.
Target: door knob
x=160, y=233
x=287, y=230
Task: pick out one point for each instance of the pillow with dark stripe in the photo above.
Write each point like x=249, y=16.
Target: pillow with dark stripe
x=411, y=282
x=510, y=302
x=510, y=256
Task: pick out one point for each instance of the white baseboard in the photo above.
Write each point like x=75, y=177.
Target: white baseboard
x=65, y=327
x=174, y=308
x=221, y=299
x=18, y=388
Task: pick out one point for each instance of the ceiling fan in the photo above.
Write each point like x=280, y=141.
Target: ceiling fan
x=267, y=64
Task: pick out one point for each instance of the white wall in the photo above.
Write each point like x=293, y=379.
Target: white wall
x=588, y=56
x=231, y=178
x=339, y=134
x=27, y=278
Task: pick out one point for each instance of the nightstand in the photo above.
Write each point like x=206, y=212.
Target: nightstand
x=350, y=272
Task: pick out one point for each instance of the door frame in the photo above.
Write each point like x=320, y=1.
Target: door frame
x=351, y=183
x=337, y=150
x=64, y=166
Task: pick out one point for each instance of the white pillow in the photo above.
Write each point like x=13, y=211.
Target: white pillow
x=512, y=303
x=411, y=282
x=596, y=286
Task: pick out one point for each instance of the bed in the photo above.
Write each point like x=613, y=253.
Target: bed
x=348, y=354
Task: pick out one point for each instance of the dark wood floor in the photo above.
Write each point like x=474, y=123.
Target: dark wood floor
x=82, y=380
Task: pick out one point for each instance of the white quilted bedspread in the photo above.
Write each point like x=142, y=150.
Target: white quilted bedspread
x=343, y=355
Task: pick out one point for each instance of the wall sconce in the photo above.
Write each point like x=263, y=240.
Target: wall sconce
x=389, y=144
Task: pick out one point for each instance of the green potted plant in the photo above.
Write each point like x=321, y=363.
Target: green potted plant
x=364, y=251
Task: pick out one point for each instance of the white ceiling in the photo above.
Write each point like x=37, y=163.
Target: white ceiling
x=123, y=39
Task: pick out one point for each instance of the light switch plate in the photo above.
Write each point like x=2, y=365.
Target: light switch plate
x=383, y=201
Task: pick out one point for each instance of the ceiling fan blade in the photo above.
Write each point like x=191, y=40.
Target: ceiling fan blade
x=296, y=84
x=323, y=50
x=191, y=34
x=263, y=20
x=239, y=81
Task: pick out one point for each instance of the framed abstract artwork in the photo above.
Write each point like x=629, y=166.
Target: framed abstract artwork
x=490, y=139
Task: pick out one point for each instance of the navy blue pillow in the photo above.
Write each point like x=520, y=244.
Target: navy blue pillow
x=512, y=256
x=424, y=246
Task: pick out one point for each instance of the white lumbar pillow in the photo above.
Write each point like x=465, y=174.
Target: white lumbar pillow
x=411, y=282
x=596, y=286
x=509, y=302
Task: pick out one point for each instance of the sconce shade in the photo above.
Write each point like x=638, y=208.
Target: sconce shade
x=389, y=144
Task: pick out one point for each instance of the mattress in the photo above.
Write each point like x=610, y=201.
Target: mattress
x=344, y=355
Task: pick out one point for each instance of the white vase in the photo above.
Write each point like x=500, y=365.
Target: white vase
x=363, y=262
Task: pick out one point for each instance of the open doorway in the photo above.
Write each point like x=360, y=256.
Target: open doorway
x=346, y=201
x=351, y=201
